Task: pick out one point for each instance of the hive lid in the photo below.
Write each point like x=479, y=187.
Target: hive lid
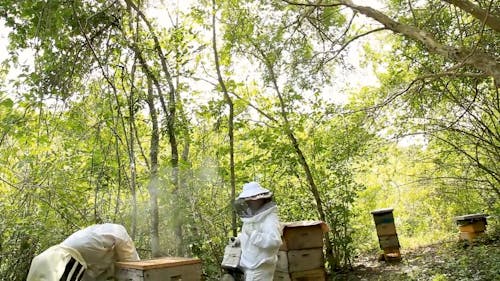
x=162, y=262
x=382, y=211
x=306, y=223
x=471, y=217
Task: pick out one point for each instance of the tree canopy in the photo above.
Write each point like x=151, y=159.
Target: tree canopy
x=154, y=113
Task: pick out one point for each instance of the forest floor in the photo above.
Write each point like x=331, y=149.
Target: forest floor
x=444, y=261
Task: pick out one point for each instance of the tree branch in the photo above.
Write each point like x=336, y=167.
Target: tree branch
x=490, y=20
x=479, y=60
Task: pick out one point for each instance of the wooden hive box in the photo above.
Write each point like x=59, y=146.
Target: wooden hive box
x=384, y=229
x=318, y=274
x=383, y=216
x=386, y=233
x=470, y=236
x=300, y=260
x=388, y=242
x=303, y=235
x=471, y=226
x=475, y=227
x=159, y=269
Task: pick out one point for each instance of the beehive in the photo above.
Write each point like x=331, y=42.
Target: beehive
x=159, y=269
x=301, y=255
x=387, y=235
x=471, y=226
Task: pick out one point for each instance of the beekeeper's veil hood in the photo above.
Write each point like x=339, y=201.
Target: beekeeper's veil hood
x=253, y=191
x=51, y=264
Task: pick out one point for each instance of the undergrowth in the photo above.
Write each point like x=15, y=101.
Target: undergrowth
x=444, y=261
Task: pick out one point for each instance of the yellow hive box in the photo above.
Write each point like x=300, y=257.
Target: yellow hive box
x=477, y=226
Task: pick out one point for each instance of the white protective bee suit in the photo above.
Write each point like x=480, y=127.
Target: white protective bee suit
x=260, y=236
x=87, y=255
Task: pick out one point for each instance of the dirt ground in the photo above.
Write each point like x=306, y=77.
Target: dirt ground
x=437, y=262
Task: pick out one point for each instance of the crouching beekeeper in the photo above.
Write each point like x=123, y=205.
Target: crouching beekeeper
x=260, y=237
x=86, y=255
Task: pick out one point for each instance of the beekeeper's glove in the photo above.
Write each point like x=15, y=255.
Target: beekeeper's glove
x=234, y=241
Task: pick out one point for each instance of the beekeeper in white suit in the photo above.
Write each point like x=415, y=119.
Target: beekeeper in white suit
x=260, y=237
x=87, y=255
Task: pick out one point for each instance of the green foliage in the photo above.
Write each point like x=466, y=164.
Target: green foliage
x=76, y=139
x=452, y=110
x=57, y=31
x=455, y=115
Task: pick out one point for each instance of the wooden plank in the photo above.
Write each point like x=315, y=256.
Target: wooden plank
x=157, y=263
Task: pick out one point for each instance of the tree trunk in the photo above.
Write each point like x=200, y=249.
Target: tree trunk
x=230, y=120
x=170, y=113
x=302, y=159
x=131, y=125
x=312, y=184
x=131, y=156
x=153, y=177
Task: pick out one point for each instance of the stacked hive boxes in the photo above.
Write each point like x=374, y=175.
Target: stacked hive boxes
x=301, y=255
x=386, y=232
x=160, y=269
x=471, y=226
